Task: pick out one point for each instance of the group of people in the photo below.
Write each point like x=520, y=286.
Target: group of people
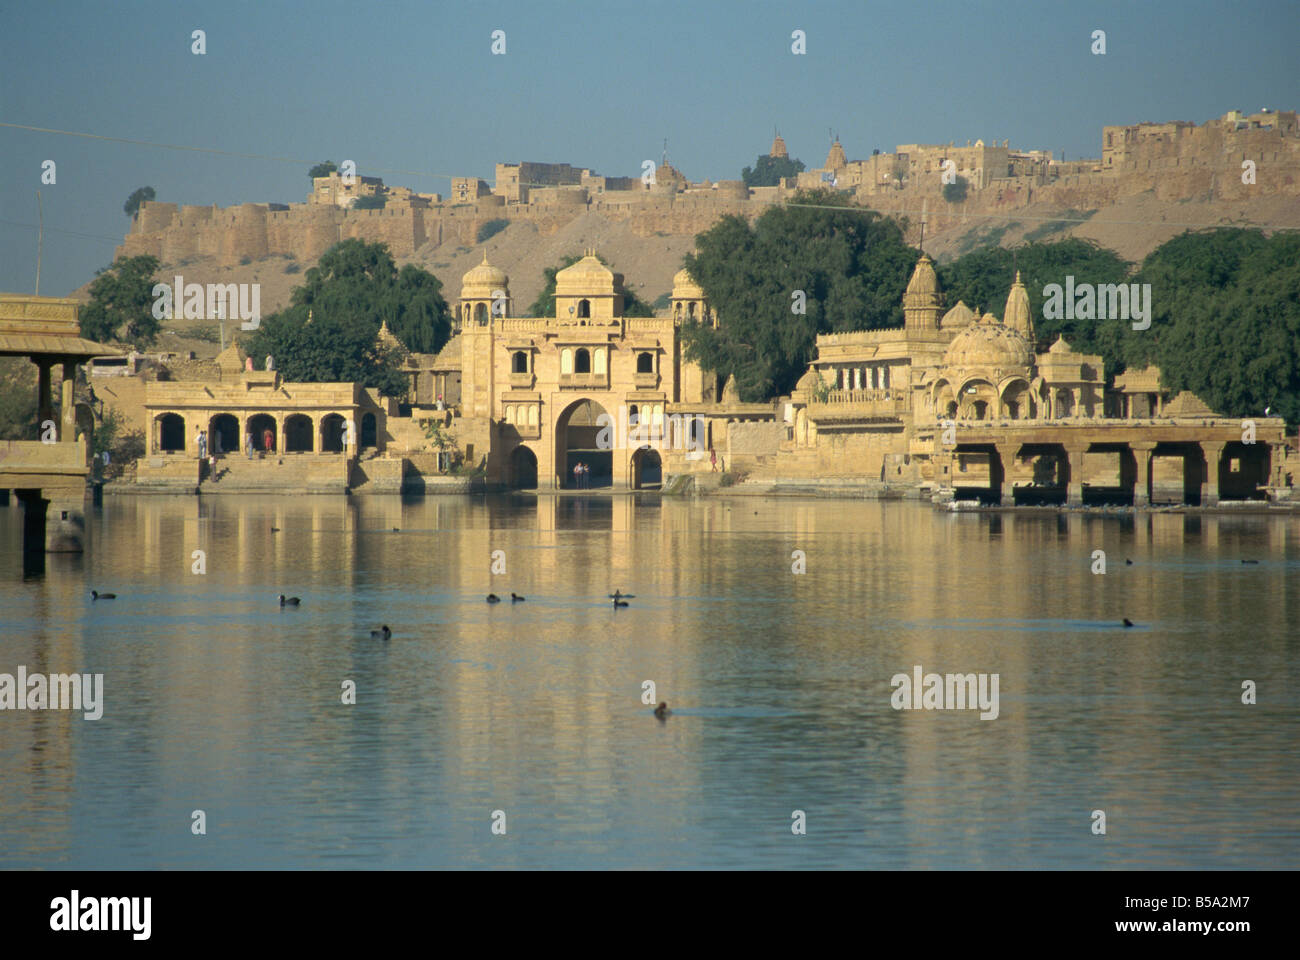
x=582, y=475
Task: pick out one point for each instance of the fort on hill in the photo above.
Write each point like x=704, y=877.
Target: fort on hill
x=1175, y=161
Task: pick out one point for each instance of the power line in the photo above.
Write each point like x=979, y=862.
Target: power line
x=73, y=233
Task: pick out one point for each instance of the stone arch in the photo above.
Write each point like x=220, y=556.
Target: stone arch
x=647, y=469
x=223, y=434
x=258, y=425
x=169, y=433
x=578, y=439
x=333, y=433
x=1017, y=399
x=977, y=400
x=481, y=313
x=523, y=469
x=298, y=431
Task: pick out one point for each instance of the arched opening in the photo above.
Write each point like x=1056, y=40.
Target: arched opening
x=977, y=400
x=584, y=308
x=979, y=409
x=645, y=362
x=647, y=469
x=582, y=361
x=523, y=469
x=297, y=434
x=262, y=426
x=1243, y=469
x=1015, y=400
x=223, y=434
x=333, y=433
x=519, y=362
x=578, y=441
x=690, y=310
x=481, y=313
x=170, y=433
x=1064, y=404
x=369, y=431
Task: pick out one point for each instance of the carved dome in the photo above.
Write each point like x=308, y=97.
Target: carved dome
x=587, y=276
x=808, y=382
x=990, y=345
x=484, y=277
x=958, y=317
x=685, y=287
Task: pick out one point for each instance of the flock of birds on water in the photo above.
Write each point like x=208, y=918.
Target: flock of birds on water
x=620, y=600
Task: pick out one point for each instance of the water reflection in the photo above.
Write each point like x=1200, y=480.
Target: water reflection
x=218, y=699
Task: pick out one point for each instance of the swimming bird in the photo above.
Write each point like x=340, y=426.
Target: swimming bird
x=1250, y=561
x=620, y=603
x=1128, y=563
x=1128, y=622
x=515, y=598
x=381, y=634
x=662, y=710
x=94, y=595
x=493, y=598
x=289, y=601
x=397, y=529
x=275, y=529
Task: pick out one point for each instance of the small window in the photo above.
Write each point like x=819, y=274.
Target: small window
x=519, y=363
x=645, y=363
x=584, y=308
x=582, y=362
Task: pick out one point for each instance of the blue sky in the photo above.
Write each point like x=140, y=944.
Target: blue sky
x=414, y=86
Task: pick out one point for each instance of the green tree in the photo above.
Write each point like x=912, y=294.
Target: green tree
x=768, y=171
x=544, y=305
x=133, y=202
x=322, y=169
x=18, y=399
x=851, y=266
x=349, y=294
x=121, y=303
x=376, y=202
x=1225, y=320
x=955, y=192
x=983, y=277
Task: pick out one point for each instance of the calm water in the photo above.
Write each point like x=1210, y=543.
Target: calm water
x=215, y=699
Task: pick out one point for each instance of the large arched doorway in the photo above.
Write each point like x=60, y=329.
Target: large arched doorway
x=576, y=434
x=223, y=434
x=523, y=469
x=647, y=469
x=262, y=426
x=170, y=433
x=333, y=433
x=298, y=434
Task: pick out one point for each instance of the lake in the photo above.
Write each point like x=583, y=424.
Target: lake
x=530, y=716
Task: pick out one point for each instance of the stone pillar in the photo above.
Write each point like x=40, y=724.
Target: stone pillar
x=1074, y=496
x=68, y=430
x=1006, y=454
x=44, y=407
x=1142, y=487
x=1210, y=478
x=279, y=434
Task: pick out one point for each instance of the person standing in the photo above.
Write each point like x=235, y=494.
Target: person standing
x=270, y=364
x=201, y=443
x=577, y=476
x=248, y=364
x=713, y=459
x=268, y=440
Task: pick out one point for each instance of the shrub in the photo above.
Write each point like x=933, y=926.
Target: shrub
x=490, y=229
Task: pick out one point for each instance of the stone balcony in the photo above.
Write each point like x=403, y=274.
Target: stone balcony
x=862, y=404
x=584, y=381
